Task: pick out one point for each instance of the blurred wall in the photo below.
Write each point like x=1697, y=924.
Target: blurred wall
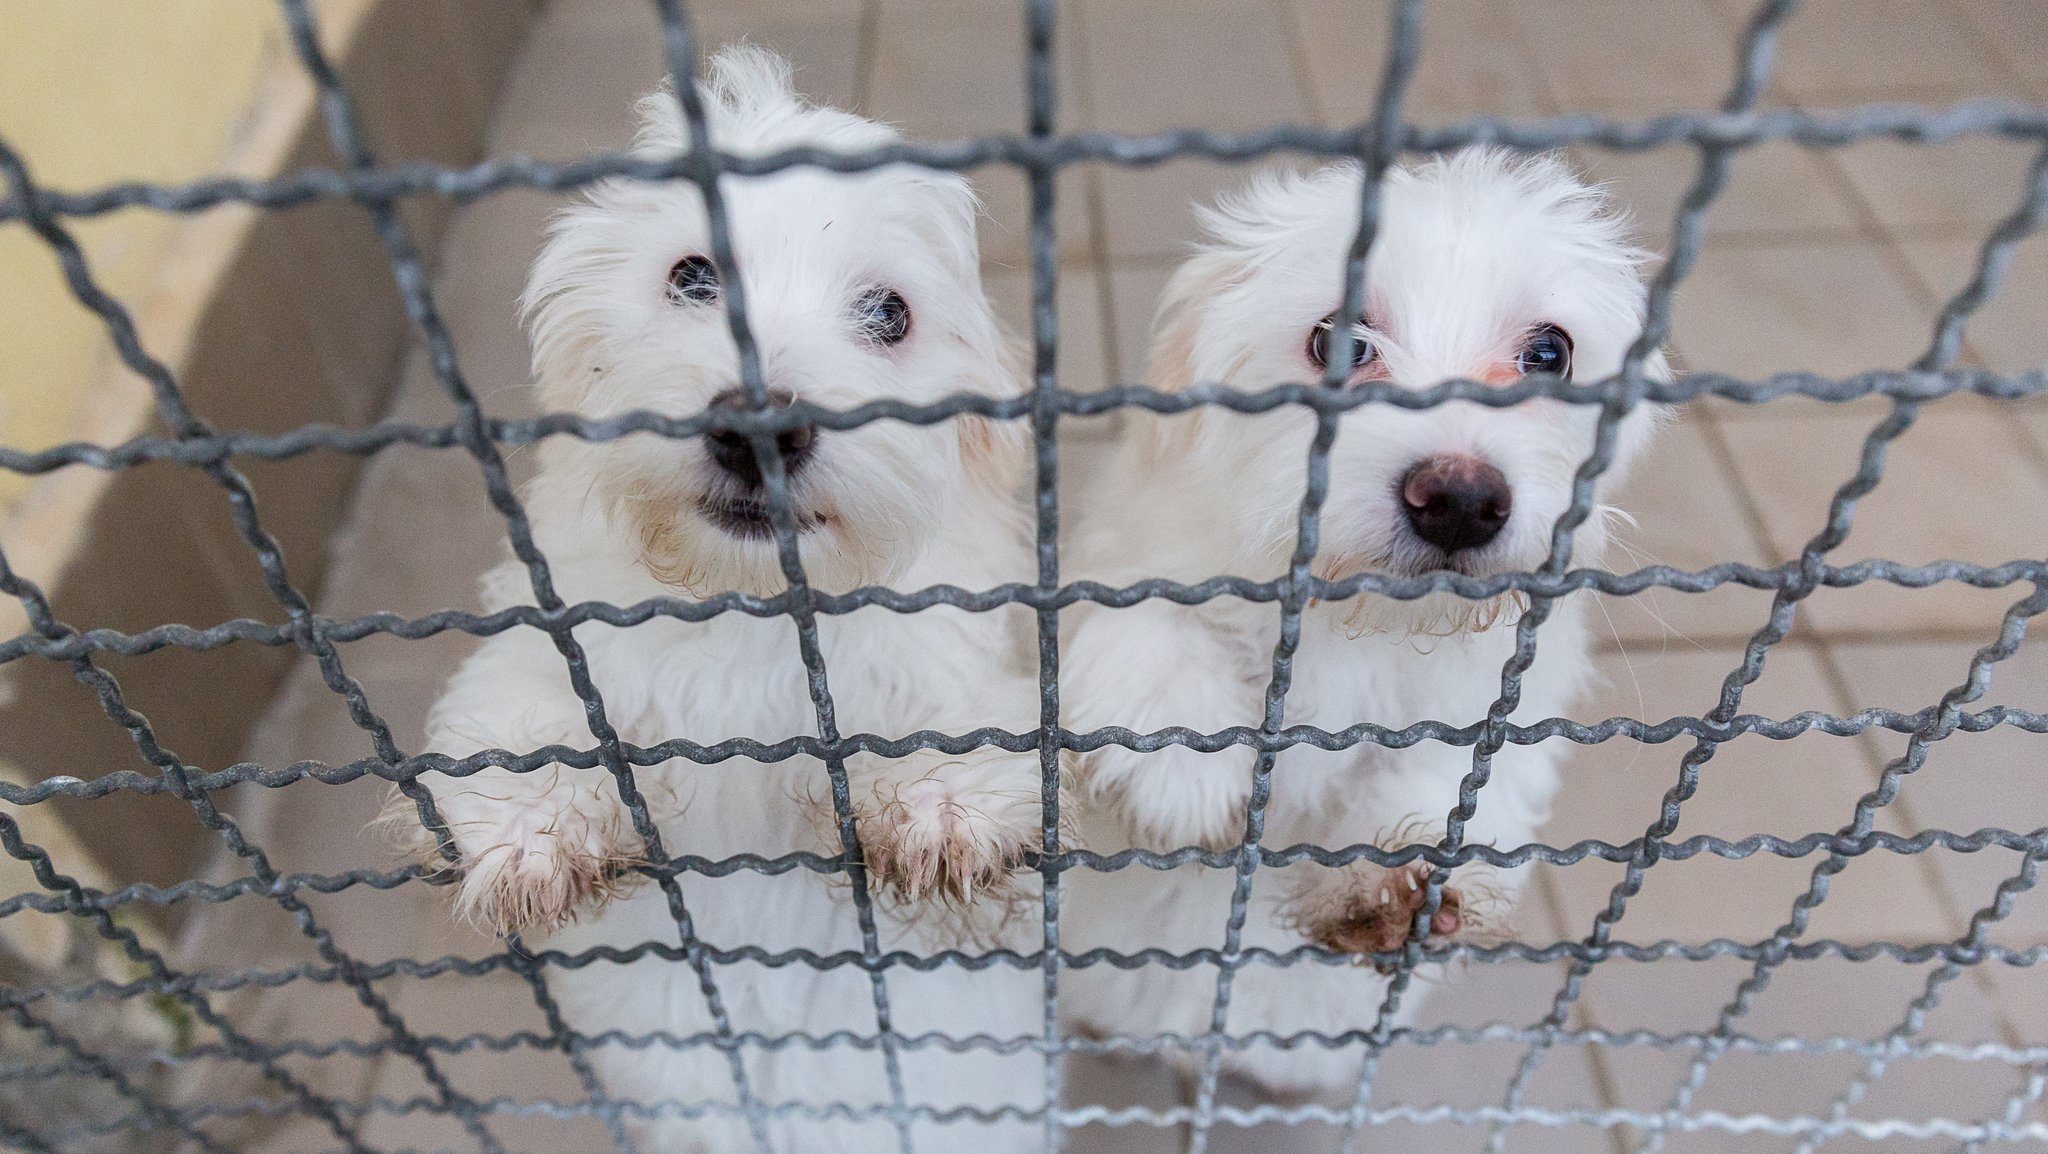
x=269, y=320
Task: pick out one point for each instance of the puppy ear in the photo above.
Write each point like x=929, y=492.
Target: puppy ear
x=1176, y=328
x=995, y=451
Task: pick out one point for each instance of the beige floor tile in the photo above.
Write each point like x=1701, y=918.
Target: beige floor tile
x=1834, y=309
x=1820, y=997
x=959, y=70
x=1083, y=352
x=1155, y=65
x=2007, y=334
x=2035, y=420
x=1134, y=290
x=1689, y=514
x=1808, y=784
x=1150, y=212
x=1958, y=485
x=499, y=1004
x=1006, y=216
x=1474, y=60
x=1975, y=181
x=1473, y=1075
x=1632, y=59
x=1839, y=51
x=2017, y=31
x=1968, y=781
x=1777, y=191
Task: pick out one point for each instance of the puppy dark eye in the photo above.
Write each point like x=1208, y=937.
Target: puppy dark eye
x=693, y=280
x=883, y=316
x=1548, y=350
x=1362, y=352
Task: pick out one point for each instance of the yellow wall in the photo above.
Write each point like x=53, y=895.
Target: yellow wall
x=94, y=92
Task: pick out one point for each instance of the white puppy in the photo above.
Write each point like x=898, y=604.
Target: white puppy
x=860, y=287
x=1486, y=267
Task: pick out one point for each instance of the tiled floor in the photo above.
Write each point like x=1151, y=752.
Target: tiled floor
x=1832, y=260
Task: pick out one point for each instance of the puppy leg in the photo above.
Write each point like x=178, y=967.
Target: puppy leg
x=536, y=846
x=948, y=828
x=1147, y=668
x=1365, y=908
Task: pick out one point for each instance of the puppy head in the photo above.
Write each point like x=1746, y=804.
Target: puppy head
x=859, y=287
x=1485, y=267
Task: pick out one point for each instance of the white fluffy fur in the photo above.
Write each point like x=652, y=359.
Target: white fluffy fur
x=906, y=505
x=1475, y=250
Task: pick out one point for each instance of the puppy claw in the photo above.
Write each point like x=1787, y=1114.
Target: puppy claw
x=537, y=885
x=924, y=843
x=1368, y=910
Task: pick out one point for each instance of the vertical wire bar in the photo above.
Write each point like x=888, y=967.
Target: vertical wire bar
x=1994, y=260
x=344, y=132
x=1753, y=68
x=1379, y=147
x=1041, y=19
x=706, y=165
x=1930, y=996
x=306, y=630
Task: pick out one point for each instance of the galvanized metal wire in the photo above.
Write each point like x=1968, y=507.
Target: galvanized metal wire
x=1040, y=151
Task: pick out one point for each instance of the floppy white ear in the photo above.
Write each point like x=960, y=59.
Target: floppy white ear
x=1176, y=331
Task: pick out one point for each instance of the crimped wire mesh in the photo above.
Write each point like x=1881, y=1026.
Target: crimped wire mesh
x=1041, y=152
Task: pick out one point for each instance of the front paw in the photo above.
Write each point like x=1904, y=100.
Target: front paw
x=533, y=863
x=1173, y=798
x=1369, y=910
x=951, y=830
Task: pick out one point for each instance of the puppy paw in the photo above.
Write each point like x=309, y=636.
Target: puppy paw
x=1366, y=909
x=953, y=831
x=531, y=864
x=1173, y=798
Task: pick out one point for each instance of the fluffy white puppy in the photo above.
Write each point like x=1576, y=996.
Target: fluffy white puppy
x=860, y=287
x=1486, y=267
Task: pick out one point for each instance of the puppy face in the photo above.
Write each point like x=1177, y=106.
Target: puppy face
x=858, y=288
x=1485, y=267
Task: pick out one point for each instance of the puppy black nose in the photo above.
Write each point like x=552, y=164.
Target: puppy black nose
x=732, y=452
x=1456, y=502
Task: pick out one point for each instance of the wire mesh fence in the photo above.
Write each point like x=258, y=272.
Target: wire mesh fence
x=78, y=1085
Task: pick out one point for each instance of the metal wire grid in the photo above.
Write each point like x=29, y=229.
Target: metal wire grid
x=1041, y=152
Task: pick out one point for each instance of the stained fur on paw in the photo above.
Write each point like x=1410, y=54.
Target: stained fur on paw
x=1369, y=910
x=935, y=845
x=529, y=869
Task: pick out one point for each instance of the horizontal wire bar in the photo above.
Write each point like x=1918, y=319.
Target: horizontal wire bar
x=1138, y=1116
x=215, y=447
x=1701, y=845
x=1603, y=581
x=1362, y=733
x=1512, y=951
x=382, y=184
x=1145, y=1045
